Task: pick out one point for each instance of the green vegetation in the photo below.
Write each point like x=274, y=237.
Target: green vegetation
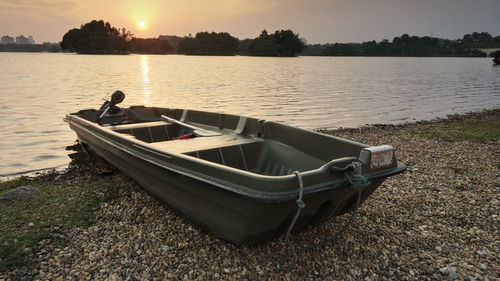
x=150, y=46
x=61, y=206
x=97, y=37
x=410, y=46
x=471, y=128
x=282, y=43
x=31, y=48
x=212, y=44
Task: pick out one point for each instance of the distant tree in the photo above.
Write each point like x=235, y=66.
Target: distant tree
x=46, y=47
x=243, y=46
x=288, y=43
x=172, y=40
x=205, y=43
x=283, y=43
x=314, y=50
x=263, y=45
x=150, y=46
x=97, y=37
x=70, y=40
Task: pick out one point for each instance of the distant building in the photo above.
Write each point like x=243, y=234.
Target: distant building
x=22, y=40
x=7, y=40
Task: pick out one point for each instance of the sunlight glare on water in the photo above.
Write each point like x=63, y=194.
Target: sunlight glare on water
x=38, y=90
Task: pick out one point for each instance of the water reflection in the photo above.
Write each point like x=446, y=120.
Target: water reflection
x=144, y=59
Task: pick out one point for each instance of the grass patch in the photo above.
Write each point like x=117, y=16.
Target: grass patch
x=60, y=207
x=471, y=129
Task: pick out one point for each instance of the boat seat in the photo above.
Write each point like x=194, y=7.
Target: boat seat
x=137, y=125
x=150, y=132
x=202, y=143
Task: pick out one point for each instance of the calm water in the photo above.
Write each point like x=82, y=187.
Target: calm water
x=37, y=90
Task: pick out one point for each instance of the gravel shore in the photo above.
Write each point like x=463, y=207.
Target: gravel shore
x=438, y=220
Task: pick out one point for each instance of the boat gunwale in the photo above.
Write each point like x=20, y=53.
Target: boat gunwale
x=261, y=195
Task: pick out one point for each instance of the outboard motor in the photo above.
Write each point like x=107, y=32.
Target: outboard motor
x=110, y=107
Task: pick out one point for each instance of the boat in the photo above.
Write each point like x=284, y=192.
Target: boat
x=243, y=179
x=496, y=59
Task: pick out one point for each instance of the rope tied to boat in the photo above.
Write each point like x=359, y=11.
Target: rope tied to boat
x=300, y=204
x=355, y=177
x=357, y=181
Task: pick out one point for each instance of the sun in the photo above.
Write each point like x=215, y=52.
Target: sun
x=142, y=25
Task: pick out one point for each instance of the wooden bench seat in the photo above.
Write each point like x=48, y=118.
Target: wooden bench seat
x=202, y=143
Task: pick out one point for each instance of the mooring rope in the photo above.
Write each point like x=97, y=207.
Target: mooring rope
x=300, y=205
x=357, y=181
x=355, y=178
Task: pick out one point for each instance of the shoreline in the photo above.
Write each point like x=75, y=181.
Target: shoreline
x=63, y=167
x=438, y=220
x=298, y=55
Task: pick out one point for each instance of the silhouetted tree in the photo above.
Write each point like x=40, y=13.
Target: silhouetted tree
x=283, y=43
x=150, y=46
x=173, y=41
x=243, y=46
x=288, y=43
x=70, y=40
x=205, y=43
x=97, y=37
x=263, y=46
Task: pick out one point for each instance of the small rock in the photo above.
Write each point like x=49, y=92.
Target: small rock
x=453, y=275
x=438, y=249
x=445, y=270
x=22, y=192
x=216, y=275
x=353, y=272
x=429, y=271
x=481, y=252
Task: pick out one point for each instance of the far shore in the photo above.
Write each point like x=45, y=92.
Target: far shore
x=438, y=220
x=54, y=51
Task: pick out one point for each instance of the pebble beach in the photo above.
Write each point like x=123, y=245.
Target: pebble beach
x=438, y=220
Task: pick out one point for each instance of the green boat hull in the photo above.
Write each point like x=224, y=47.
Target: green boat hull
x=239, y=184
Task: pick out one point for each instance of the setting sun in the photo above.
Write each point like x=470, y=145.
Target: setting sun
x=142, y=25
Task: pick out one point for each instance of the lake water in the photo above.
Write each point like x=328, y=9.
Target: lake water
x=37, y=90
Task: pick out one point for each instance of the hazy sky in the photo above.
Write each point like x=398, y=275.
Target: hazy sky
x=319, y=21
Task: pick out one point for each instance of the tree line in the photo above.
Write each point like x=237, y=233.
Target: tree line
x=101, y=38
x=407, y=45
x=31, y=48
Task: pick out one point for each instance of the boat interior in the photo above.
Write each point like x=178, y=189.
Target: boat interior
x=249, y=144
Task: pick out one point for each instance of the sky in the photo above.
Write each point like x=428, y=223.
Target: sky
x=318, y=21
